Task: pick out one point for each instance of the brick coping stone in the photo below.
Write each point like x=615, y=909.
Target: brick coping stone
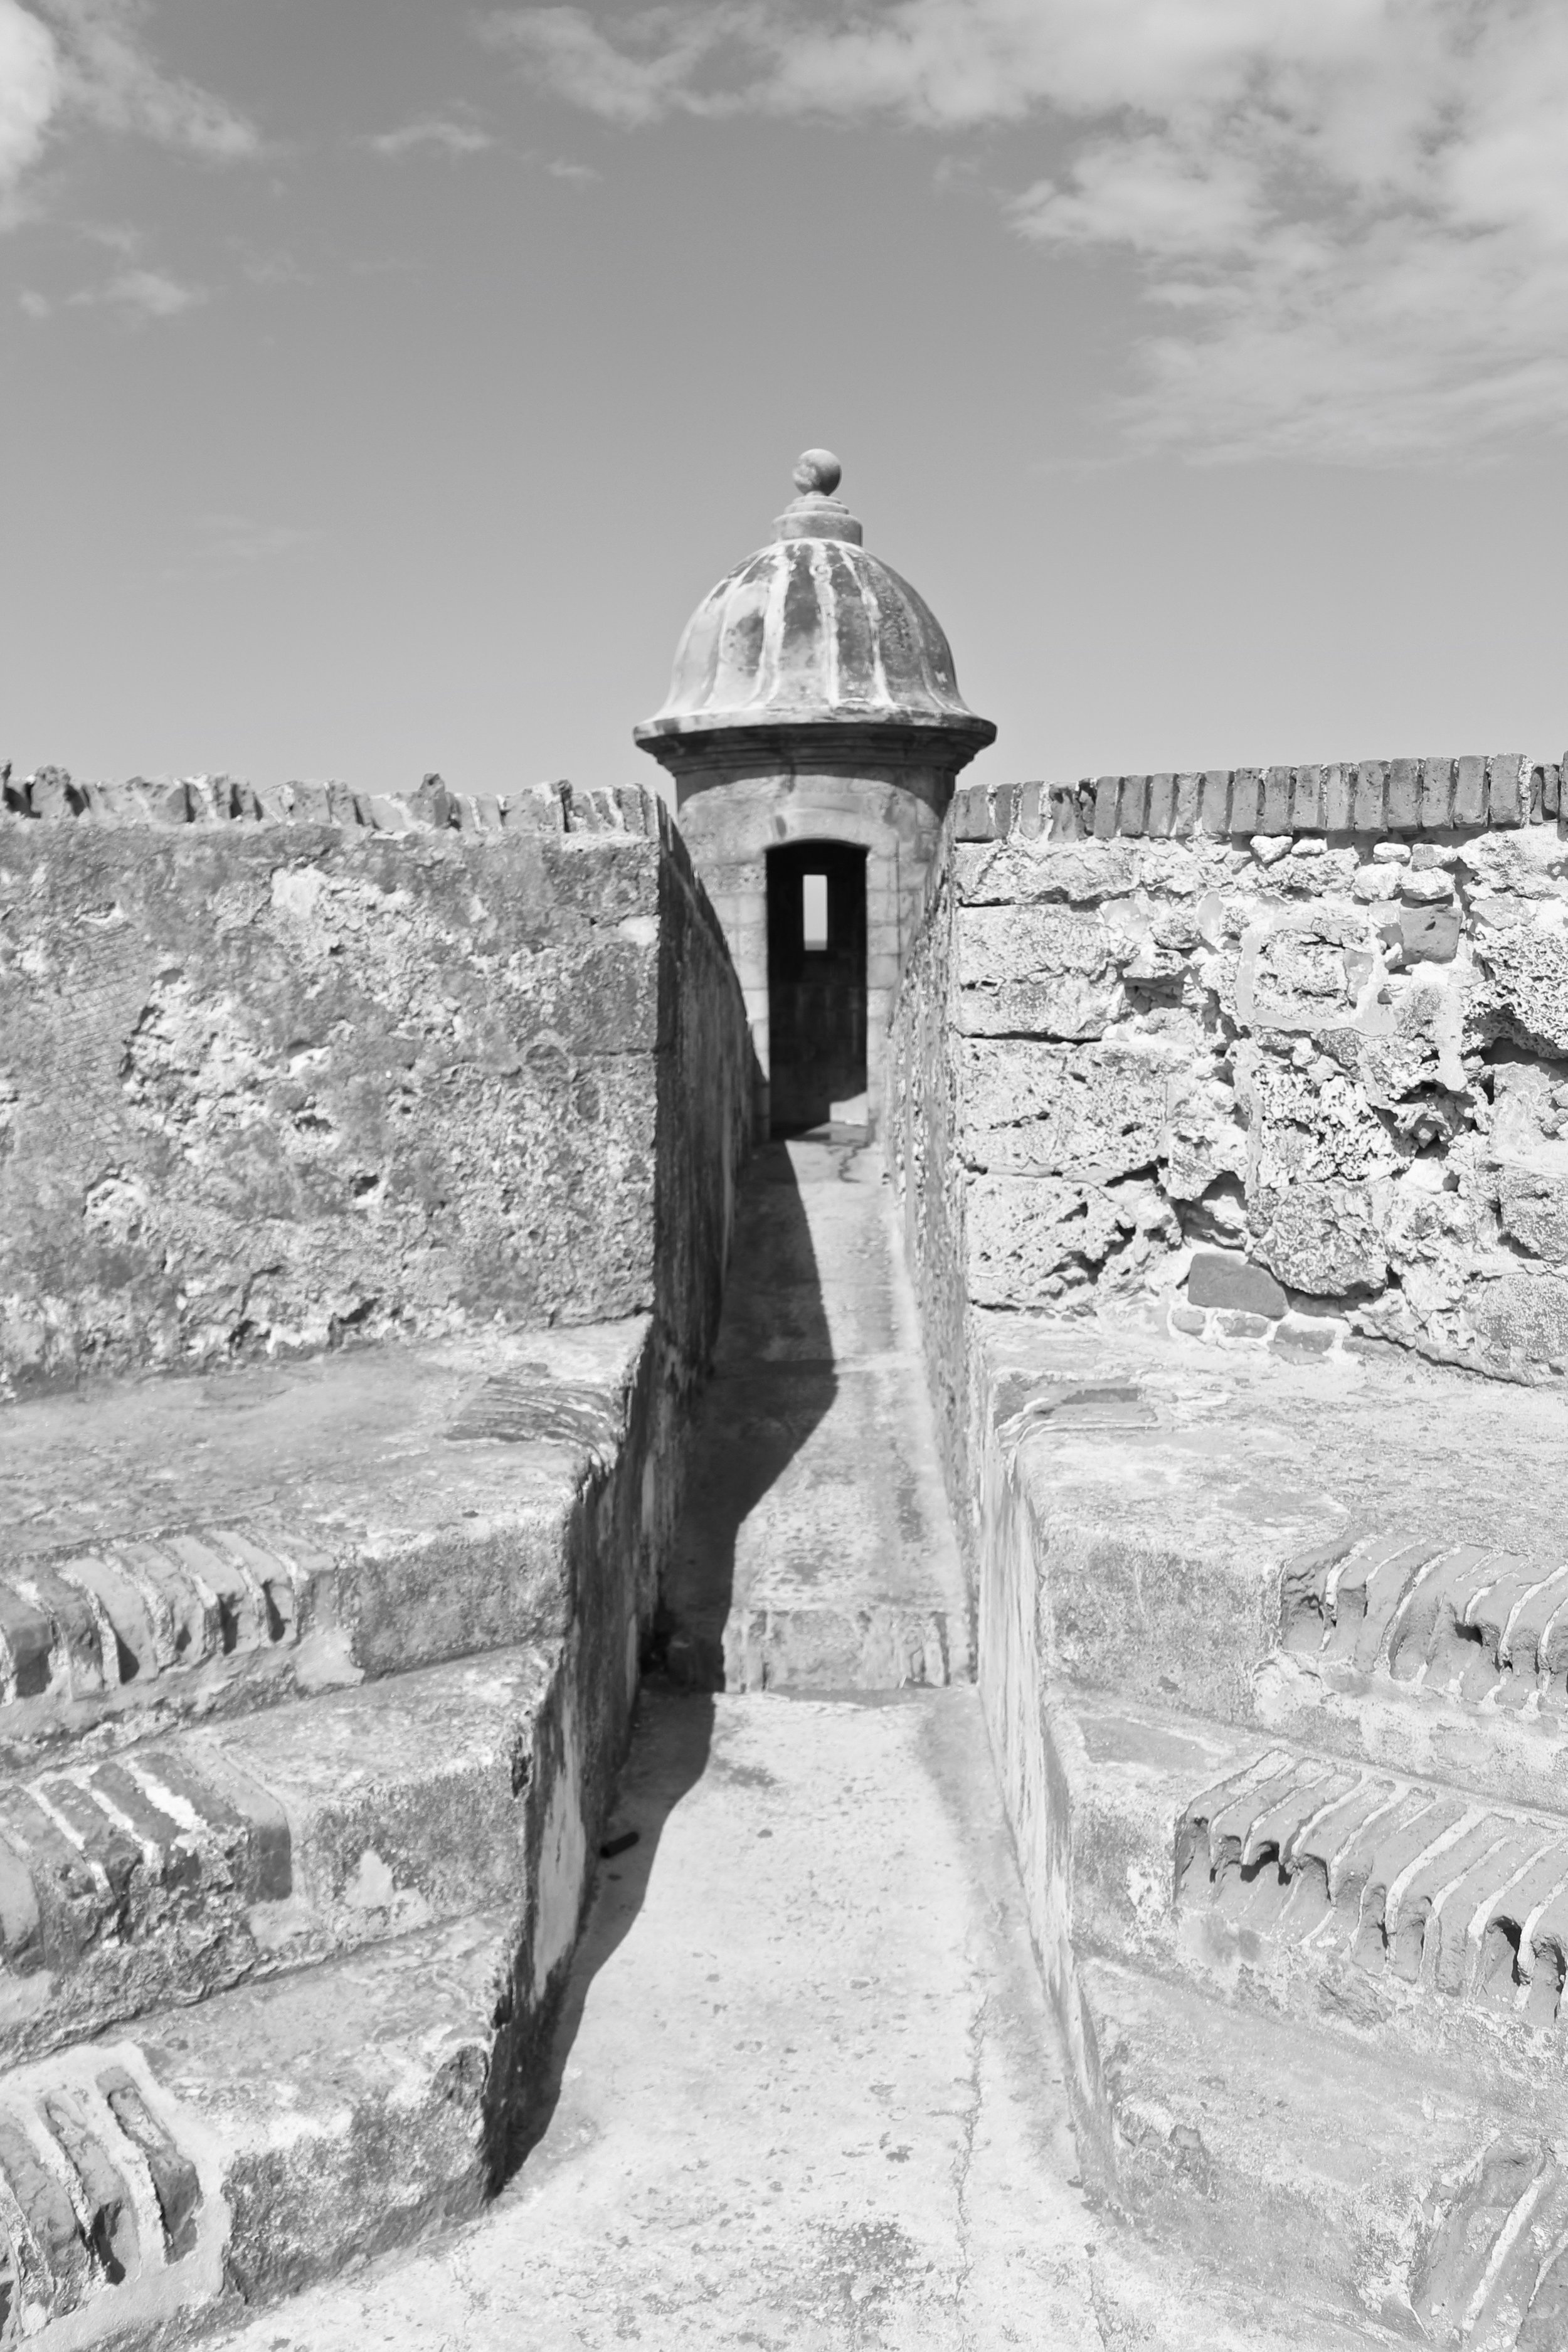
x=1372, y=798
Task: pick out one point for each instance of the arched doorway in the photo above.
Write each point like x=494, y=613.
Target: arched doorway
x=816, y=985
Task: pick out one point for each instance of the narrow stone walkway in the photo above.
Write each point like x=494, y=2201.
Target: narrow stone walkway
x=808, y=2091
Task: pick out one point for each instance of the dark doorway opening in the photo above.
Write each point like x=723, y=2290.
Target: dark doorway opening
x=816, y=985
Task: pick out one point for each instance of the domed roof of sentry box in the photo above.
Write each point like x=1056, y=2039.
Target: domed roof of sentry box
x=812, y=629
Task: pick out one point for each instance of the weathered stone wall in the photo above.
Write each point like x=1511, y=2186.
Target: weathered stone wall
x=1287, y=1084
x=277, y=1073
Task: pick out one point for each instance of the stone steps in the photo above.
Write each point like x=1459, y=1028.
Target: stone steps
x=312, y=1679
x=232, y=2152
x=1269, y=2150
x=1435, y=1657
x=120, y=1644
x=433, y=1506
x=1417, y=1915
x=183, y=1866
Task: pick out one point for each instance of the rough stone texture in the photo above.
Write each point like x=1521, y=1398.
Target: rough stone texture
x=1309, y=1051
x=270, y=1087
x=1280, y=1732
x=316, y=1668
x=1371, y=797
x=1269, y=1625
x=233, y=1874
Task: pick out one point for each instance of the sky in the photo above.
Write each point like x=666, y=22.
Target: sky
x=382, y=385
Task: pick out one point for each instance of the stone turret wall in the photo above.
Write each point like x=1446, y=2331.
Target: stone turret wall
x=282, y=1071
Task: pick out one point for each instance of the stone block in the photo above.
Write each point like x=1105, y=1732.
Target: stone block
x=1162, y=806
x=1426, y=886
x=1092, y=1112
x=1321, y=1236
x=1470, y=790
x=1436, y=794
x=308, y=802
x=1307, y=1335
x=1041, y=970
x=1133, y=810
x=1523, y=1317
x=1308, y=814
x=1430, y=934
x=1191, y=1320
x=1189, y=789
x=1404, y=812
x=1277, y=795
x=487, y=813
x=1033, y=811
x=1368, y=805
x=1528, y=971
x=1508, y=789
x=1066, y=818
x=1336, y=800
x=1033, y=1239
x=1532, y=1210
x=1233, y=1323
x=54, y=795
x=1218, y=1279
x=1213, y=804
x=1107, y=794
x=1245, y=803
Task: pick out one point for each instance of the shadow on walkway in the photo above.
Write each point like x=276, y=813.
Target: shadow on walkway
x=773, y=1383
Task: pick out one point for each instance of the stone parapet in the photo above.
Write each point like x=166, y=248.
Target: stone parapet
x=1396, y=799
x=275, y=1086
x=54, y=795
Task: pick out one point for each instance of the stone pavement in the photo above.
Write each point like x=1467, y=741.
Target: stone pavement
x=807, y=2089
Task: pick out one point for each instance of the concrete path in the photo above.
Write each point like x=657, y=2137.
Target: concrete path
x=809, y=2092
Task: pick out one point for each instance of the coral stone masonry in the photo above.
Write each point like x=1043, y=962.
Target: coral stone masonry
x=1225, y=1112
x=364, y=1198
x=380, y=1410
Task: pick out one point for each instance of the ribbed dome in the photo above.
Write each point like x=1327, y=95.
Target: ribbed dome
x=812, y=629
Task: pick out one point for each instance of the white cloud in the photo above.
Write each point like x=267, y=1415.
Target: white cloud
x=30, y=83
x=110, y=78
x=60, y=58
x=1349, y=217
x=141, y=294
x=436, y=134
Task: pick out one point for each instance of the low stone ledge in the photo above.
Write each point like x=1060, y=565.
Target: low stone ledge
x=1396, y=798
x=54, y=795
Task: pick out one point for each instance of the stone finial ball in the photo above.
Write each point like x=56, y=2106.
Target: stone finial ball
x=818, y=470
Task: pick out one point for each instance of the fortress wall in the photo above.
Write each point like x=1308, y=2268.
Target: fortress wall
x=1298, y=1090
x=276, y=1072
x=1191, y=1078
x=1292, y=1085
